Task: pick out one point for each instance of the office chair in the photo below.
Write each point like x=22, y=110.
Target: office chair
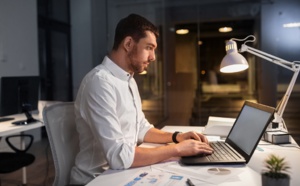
x=59, y=120
x=12, y=161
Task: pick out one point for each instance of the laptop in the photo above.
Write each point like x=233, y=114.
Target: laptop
x=242, y=139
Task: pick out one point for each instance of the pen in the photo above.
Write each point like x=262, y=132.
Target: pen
x=189, y=182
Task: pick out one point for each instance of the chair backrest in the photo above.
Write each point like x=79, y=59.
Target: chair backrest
x=60, y=125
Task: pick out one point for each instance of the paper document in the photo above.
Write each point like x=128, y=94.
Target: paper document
x=218, y=126
x=155, y=178
x=208, y=174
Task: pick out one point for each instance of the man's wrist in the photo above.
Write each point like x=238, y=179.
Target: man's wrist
x=174, y=135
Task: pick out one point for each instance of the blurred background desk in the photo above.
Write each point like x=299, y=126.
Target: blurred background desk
x=7, y=128
x=251, y=174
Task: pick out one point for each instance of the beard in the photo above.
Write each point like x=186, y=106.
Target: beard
x=136, y=65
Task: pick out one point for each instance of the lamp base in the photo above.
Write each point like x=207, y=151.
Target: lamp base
x=277, y=137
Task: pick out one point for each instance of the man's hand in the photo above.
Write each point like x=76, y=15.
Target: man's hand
x=191, y=135
x=193, y=147
x=190, y=144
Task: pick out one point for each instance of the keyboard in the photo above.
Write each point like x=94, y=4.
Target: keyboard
x=221, y=152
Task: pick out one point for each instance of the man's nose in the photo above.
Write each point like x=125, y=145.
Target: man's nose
x=152, y=57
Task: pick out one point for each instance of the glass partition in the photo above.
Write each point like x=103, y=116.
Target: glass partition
x=185, y=84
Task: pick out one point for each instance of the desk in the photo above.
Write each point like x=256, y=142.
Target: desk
x=7, y=128
x=250, y=176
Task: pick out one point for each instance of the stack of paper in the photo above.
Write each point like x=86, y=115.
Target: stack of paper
x=218, y=126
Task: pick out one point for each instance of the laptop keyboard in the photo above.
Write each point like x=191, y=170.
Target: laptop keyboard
x=221, y=152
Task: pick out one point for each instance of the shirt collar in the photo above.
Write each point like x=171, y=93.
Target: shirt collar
x=116, y=70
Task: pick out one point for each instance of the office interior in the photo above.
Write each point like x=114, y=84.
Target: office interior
x=60, y=41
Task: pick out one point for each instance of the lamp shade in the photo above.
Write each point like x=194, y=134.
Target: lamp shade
x=233, y=61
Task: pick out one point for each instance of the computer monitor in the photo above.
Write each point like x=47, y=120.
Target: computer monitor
x=17, y=92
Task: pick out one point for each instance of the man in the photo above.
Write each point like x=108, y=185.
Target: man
x=108, y=110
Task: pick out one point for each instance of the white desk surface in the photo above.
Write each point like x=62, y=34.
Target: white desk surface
x=7, y=128
x=250, y=176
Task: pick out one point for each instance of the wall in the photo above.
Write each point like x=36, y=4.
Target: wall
x=18, y=38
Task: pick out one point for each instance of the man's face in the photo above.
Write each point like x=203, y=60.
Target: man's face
x=142, y=53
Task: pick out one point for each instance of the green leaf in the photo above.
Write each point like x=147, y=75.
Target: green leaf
x=276, y=167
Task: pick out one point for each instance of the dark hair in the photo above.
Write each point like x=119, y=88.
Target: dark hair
x=135, y=26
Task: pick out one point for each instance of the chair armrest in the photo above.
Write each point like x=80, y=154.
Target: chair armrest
x=18, y=150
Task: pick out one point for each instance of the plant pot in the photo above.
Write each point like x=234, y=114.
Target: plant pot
x=268, y=181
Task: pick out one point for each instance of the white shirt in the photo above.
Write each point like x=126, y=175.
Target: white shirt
x=109, y=120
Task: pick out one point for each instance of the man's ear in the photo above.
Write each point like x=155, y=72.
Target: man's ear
x=128, y=43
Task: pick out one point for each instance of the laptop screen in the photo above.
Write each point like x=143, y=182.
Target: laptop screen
x=249, y=126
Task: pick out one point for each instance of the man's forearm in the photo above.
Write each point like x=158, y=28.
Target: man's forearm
x=158, y=136
x=191, y=143
x=149, y=156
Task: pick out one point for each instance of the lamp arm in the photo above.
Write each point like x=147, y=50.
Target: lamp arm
x=281, y=62
x=280, y=108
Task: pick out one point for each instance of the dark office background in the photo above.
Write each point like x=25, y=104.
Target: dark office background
x=61, y=40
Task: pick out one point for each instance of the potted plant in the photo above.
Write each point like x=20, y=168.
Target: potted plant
x=276, y=172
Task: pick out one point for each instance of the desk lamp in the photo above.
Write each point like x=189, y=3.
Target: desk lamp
x=235, y=62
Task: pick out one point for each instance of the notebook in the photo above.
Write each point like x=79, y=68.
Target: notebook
x=242, y=139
